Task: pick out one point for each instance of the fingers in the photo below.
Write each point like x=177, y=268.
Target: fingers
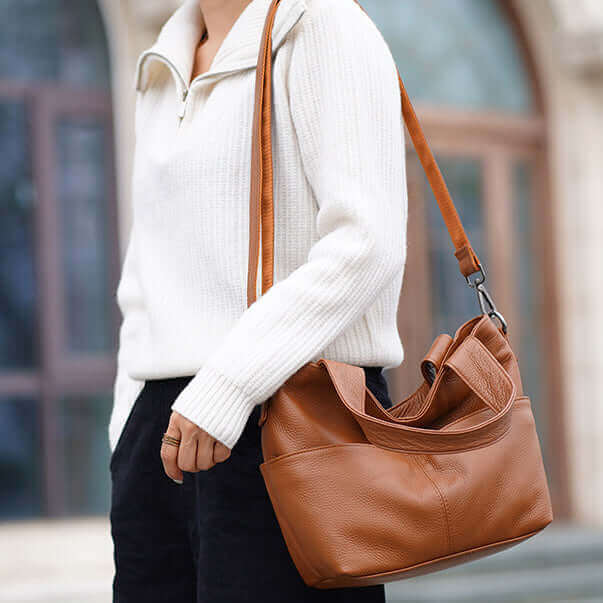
x=205, y=452
x=197, y=450
x=187, y=452
x=221, y=452
x=210, y=452
x=169, y=453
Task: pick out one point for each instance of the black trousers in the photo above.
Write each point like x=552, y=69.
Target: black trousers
x=213, y=539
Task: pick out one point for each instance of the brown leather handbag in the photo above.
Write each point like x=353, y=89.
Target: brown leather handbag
x=365, y=495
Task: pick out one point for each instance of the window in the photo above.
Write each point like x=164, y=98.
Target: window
x=456, y=53
x=58, y=259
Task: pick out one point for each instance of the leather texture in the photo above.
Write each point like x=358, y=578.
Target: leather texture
x=365, y=495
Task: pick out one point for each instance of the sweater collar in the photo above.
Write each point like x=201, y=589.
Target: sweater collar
x=177, y=40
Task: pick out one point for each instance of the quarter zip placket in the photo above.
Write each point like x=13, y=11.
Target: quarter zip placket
x=182, y=106
x=183, y=89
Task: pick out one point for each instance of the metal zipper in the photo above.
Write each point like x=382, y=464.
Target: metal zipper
x=184, y=89
x=182, y=106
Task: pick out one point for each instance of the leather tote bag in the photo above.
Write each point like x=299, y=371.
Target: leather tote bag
x=365, y=495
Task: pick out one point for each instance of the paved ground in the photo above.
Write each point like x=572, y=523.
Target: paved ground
x=62, y=561
x=70, y=561
x=563, y=563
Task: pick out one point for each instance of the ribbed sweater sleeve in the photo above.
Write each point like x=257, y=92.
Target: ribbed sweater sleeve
x=345, y=106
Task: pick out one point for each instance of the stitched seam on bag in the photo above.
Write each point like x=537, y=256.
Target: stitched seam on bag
x=282, y=457
x=463, y=418
x=400, y=450
x=444, y=505
x=495, y=361
x=451, y=451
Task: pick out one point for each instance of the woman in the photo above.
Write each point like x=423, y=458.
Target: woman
x=190, y=516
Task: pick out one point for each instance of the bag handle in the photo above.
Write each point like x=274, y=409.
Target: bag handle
x=261, y=205
x=474, y=364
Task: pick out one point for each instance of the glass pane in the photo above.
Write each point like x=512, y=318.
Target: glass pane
x=20, y=459
x=58, y=40
x=453, y=302
x=18, y=293
x=82, y=178
x=458, y=53
x=529, y=352
x=85, y=453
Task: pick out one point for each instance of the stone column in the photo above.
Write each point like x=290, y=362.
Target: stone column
x=566, y=37
x=132, y=26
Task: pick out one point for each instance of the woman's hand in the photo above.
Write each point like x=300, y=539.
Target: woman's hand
x=198, y=451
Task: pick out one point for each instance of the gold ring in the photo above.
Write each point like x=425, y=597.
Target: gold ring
x=170, y=443
x=171, y=440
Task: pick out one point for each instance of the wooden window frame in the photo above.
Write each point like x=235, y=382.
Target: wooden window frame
x=60, y=372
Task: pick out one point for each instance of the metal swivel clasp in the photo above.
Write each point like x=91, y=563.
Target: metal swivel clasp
x=486, y=303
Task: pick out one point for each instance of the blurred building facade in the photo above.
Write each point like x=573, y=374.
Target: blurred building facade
x=510, y=93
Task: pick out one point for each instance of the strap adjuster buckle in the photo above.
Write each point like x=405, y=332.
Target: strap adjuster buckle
x=486, y=303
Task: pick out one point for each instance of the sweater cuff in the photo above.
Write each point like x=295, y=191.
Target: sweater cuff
x=216, y=404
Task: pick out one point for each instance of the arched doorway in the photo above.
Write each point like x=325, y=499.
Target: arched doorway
x=58, y=258
x=466, y=68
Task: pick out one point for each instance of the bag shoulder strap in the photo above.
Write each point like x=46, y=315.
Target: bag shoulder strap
x=261, y=203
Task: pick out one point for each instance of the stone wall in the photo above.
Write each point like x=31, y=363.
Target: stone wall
x=566, y=38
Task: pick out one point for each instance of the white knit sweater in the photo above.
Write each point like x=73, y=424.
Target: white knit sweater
x=340, y=211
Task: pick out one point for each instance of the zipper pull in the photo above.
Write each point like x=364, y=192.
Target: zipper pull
x=182, y=105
